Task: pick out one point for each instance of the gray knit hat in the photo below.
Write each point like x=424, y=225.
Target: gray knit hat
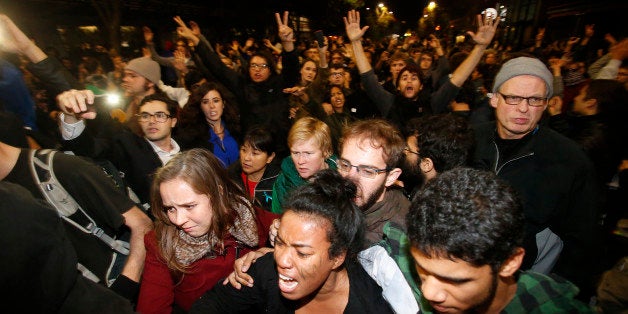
x=145, y=67
x=524, y=66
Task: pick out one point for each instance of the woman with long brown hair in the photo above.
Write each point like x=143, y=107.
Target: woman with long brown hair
x=210, y=120
x=203, y=222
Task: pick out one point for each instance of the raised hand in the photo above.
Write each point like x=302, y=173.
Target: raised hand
x=195, y=29
x=14, y=40
x=285, y=32
x=540, y=34
x=249, y=43
x=352, y=26
x=77, y=103
x=573, y=41
x=619, y=51
x=179, y=61
x=486, y=30
x=589, y=30
x=185, y=31
x=148, y=34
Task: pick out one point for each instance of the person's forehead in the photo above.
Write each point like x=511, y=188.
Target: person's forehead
x=527, y=83
x=303, y=225
x=363, y=151
x=258, y=59
x=408, y=72
x=154, y=106
x=131, y=72
x=306, y=144
x=446, y=267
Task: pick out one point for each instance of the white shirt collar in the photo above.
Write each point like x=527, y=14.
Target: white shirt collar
x=163, y=155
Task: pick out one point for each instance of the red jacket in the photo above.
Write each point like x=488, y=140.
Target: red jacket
x=159, y=291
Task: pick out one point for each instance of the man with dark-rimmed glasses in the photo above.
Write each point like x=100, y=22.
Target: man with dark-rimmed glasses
x=136, y=155
x=551, y=173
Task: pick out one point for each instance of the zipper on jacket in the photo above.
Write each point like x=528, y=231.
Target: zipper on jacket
x=497, y=170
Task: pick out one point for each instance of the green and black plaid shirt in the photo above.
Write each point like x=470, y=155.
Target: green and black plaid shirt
x=536, y=293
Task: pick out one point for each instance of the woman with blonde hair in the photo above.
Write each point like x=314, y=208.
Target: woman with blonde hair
x=311, y=150
x=203, y=222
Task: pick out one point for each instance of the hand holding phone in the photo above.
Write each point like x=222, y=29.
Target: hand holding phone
x=320, y=38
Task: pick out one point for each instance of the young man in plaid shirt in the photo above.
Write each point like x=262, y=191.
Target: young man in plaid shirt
x=466, y=233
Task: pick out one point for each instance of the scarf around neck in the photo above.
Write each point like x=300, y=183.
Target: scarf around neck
x=190, y=249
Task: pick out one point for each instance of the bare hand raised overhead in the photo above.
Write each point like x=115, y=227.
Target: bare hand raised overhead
x=352, y=26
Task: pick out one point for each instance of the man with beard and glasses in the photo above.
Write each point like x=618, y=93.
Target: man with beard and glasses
x=466, y=231
x=370, y=151
x=434, y=144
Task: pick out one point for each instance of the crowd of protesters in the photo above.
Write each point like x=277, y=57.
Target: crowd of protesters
x=214, y=140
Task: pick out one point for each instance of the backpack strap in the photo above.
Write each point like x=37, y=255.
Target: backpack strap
x=41, y=163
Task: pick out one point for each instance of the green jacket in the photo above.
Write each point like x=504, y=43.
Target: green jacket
x=289, y=179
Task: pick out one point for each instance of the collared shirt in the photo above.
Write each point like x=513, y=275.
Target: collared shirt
x=163, y=155
x=70, y=131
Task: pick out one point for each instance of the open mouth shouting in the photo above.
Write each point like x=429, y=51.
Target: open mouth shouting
x=287, y=284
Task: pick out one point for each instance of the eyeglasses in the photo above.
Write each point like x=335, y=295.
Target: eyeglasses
x=159, y=116
x=364, y=171
x=532, y=101
x=408, y=150
x=259, y=66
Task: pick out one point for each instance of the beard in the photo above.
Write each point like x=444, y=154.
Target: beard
x=372, y=199
x=411, y=176
x=482, y=306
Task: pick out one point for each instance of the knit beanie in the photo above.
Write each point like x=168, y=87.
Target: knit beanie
x=524, y=66
x=145, y=67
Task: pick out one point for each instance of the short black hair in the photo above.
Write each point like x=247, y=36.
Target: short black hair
x=171, y=105
x=192, y=77
x=411, y=67
x=328, y=195
x=270, y=60
x=446, y=139
x=259, y=137
x=611, y=96
x=467, y=214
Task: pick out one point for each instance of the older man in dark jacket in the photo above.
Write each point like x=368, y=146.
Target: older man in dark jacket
x=551, y=173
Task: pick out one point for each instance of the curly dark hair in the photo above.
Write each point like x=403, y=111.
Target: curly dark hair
x=467, y=214
x=328, y=195
x=446, y=139
x=192, y=119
